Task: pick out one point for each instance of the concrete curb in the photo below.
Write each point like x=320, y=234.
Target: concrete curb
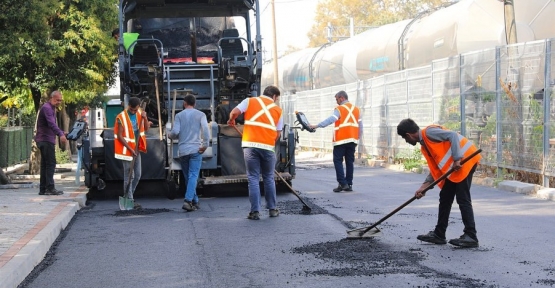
x=518, y=187
x=29, y=251
x=15, y=169
x=19, y=185
x=546, y=193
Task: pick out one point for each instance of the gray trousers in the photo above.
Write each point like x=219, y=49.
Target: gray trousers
x=135, y=175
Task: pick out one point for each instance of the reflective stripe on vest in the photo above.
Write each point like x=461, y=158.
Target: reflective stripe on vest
x=346, y=127
x=260, y=129
x=440, y=160
x=120, y=151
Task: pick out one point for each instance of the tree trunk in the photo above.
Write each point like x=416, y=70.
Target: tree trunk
x=36, y=97
x=34, y=158
x=63, y=123
x=4, y=178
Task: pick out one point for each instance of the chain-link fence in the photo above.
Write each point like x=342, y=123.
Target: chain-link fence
x=500, y=98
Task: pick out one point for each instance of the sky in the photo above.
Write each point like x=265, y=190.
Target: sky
x=294, y=18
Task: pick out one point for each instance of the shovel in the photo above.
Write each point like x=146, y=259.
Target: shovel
x=124, y=202
x=371, y=231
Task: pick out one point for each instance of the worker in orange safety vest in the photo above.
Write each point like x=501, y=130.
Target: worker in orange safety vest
x=130, y=139
x=263, y=125
x=347, y=131
x=444, y=149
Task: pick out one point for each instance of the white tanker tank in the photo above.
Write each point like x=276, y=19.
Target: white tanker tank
x=465, y=26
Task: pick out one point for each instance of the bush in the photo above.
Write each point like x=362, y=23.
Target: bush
x=410, y=160
x=62, y=157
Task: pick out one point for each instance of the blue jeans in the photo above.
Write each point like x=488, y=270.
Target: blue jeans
x=260, y=162
x=190, y=167
x=135, y=175
x=346, y=151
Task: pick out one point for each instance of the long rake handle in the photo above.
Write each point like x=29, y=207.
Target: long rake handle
x=423, y=192
x=171, y=140
x=291, y=188
x=158, y=103
x=280, y=177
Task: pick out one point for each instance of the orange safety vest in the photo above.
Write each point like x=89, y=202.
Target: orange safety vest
x=440, y=160
x=261, y=118
x=121, y=152
x=346, y=127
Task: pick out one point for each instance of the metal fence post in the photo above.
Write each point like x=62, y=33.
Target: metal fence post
x=360, y=95
x=462, y=97
x=546, y=110
x=498, y=96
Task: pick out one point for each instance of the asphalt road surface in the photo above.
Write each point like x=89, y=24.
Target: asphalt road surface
x=216, y=246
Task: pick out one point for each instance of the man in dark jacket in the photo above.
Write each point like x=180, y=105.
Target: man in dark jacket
x=45, y=137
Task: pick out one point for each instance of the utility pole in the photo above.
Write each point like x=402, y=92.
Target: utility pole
x=274, y=49
x=510, y=23
x=511, y=86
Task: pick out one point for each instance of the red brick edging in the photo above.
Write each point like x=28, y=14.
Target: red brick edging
x=19, y=244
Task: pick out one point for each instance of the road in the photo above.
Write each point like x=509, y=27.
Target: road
x=216, y=246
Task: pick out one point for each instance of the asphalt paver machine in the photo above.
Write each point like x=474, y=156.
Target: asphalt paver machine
x=171, y=48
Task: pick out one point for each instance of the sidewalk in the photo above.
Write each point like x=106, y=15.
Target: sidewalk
x=30, y=223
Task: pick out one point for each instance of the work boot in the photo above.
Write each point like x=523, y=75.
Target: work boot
x=431, y=237
x=52, y=191
x=349, y=188
x=188, y=206
x=464, y=241
x=254, y=215
x=137, y=206
x=58, y=192
x=274, y=212
x=341, y=188
x=196, y=205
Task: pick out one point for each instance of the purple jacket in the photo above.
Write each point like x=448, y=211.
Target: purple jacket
x=47, y=129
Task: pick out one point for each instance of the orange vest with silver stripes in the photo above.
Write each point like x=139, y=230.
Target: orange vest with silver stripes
x=440, y=159
x=346, y=127
x=261, y=118
x=121, y=152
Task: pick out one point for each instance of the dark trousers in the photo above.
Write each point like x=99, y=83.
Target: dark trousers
x=346, y=151
x=447, y=194
x=47, y=165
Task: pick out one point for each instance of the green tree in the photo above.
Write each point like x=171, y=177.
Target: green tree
x=364, y=13
x=86, y=66
x=57, y=44
x=24, y=31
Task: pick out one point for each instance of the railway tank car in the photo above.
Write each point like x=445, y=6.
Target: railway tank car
x=467, y=25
